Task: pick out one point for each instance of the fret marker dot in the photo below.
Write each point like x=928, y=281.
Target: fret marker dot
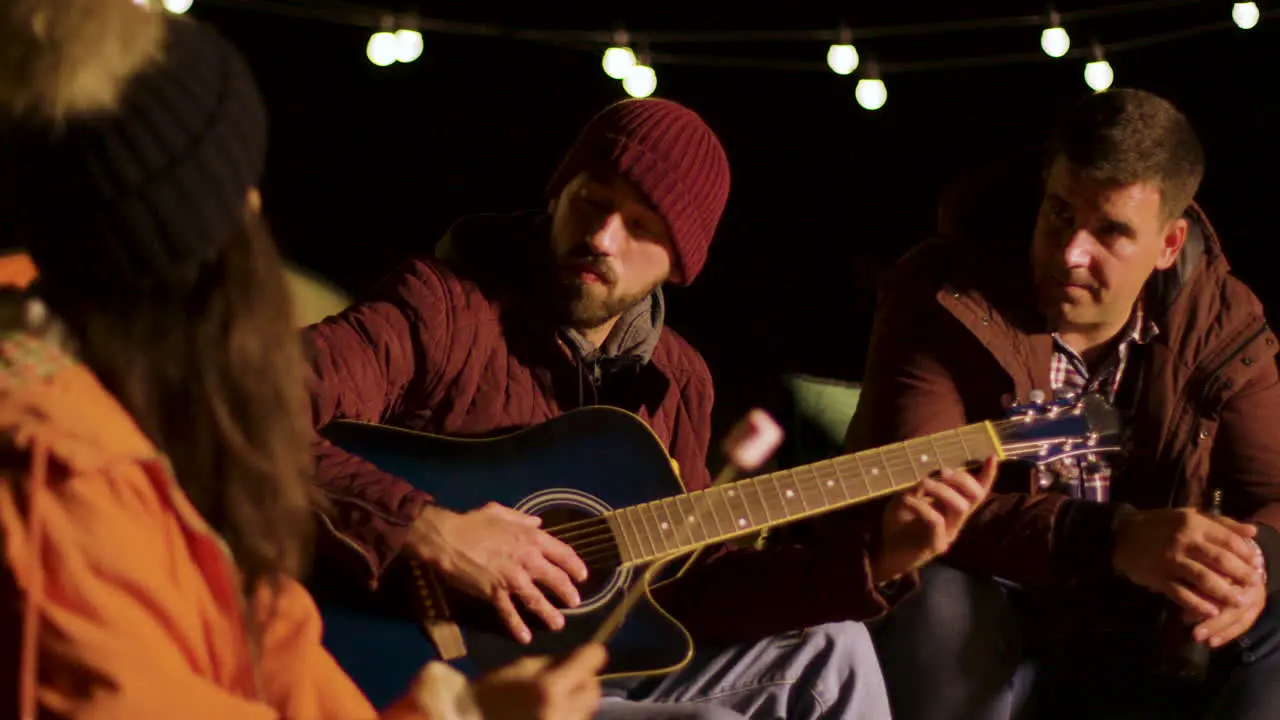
x=831, y=483
x=742, y=522
x=875, y=471
x=924, y=458
x=665, y=526
x=790, y=493
x=730, y=493
x=690, y=519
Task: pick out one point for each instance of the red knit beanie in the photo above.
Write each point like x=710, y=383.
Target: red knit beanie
x=667, y=151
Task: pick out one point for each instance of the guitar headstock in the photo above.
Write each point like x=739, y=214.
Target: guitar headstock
x=1041, y=432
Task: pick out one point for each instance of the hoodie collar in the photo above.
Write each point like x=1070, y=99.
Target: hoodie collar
x=633, y=337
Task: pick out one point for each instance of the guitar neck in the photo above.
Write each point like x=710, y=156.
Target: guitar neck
x=679, y=524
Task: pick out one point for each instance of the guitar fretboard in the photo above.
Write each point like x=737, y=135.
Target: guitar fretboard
x=685, y=522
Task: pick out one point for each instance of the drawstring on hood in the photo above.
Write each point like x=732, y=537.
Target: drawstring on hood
x=628, y=346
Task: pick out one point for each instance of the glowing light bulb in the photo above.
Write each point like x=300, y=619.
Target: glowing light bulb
x=640, y=81
x=1055, y=42
x=1245, y=15
x=408, y=45
x=871, y=93
x=1098, y=75
x=383, y=48
x=618, y=61
x=177, y=7
x=842, y=59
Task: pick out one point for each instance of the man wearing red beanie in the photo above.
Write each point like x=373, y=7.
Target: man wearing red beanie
x=518, y=318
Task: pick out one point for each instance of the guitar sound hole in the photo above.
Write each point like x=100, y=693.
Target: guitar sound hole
x=590, y=537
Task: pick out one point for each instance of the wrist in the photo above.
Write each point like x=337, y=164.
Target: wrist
x=427, y=536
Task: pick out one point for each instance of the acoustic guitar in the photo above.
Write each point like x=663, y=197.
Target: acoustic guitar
x=604, y=484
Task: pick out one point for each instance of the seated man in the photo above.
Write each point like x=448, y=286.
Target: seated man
x=526, y=316
x=1079, y=585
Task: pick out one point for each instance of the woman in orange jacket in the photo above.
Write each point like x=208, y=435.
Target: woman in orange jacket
x=155, y=500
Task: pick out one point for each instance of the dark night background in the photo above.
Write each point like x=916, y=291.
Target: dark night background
x=369, y=164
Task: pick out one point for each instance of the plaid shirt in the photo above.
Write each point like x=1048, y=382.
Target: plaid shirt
x=1069, y=375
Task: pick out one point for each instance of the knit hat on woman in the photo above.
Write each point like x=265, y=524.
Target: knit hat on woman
x=667, y=151
x=135, y=171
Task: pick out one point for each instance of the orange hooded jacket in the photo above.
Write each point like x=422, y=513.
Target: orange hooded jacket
x=119, y=599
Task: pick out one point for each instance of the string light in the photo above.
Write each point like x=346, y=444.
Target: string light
x=842, y=57
x=619, y=59
x=1054, y=39
x=1245, y=15
x=177, y=7
x=640, y=80
x=382, y=48
x=871, y=92
x=1098, y=74
x=408, y=45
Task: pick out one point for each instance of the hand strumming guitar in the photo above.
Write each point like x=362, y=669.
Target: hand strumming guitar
x=495, y=552
x=922, y=523
x=1208, y=565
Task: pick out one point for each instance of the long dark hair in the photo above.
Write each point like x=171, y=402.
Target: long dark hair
x=210, y=367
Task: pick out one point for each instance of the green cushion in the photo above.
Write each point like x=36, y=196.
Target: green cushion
x=820, y=411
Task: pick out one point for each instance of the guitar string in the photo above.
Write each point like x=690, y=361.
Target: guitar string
x=898, y=465
x=952, y=437
x=600, y=537
x=599, y=531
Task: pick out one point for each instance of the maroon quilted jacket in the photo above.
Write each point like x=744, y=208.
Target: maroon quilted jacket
x=449, y=345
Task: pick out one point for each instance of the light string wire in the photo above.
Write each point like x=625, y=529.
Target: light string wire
x=351, y=14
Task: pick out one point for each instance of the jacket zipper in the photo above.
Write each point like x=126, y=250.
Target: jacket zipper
x=1204, y=397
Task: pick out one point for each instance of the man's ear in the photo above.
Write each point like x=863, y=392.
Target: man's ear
x=1175, y=236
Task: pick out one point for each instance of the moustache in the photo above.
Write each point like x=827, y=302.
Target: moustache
x=596, y=264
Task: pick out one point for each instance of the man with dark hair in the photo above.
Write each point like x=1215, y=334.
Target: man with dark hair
x=1091, y=576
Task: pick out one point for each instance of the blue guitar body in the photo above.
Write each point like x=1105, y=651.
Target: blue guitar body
x=582, y=463
x=598, y=460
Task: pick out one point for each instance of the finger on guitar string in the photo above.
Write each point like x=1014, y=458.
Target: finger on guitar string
x=559, y=552
x=511, y=617
x=549, y=576
x=965, y=484
x=538, y=604
x=952, y=504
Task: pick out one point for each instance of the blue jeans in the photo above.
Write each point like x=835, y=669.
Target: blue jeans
x=969, y=640
x=828, y=671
